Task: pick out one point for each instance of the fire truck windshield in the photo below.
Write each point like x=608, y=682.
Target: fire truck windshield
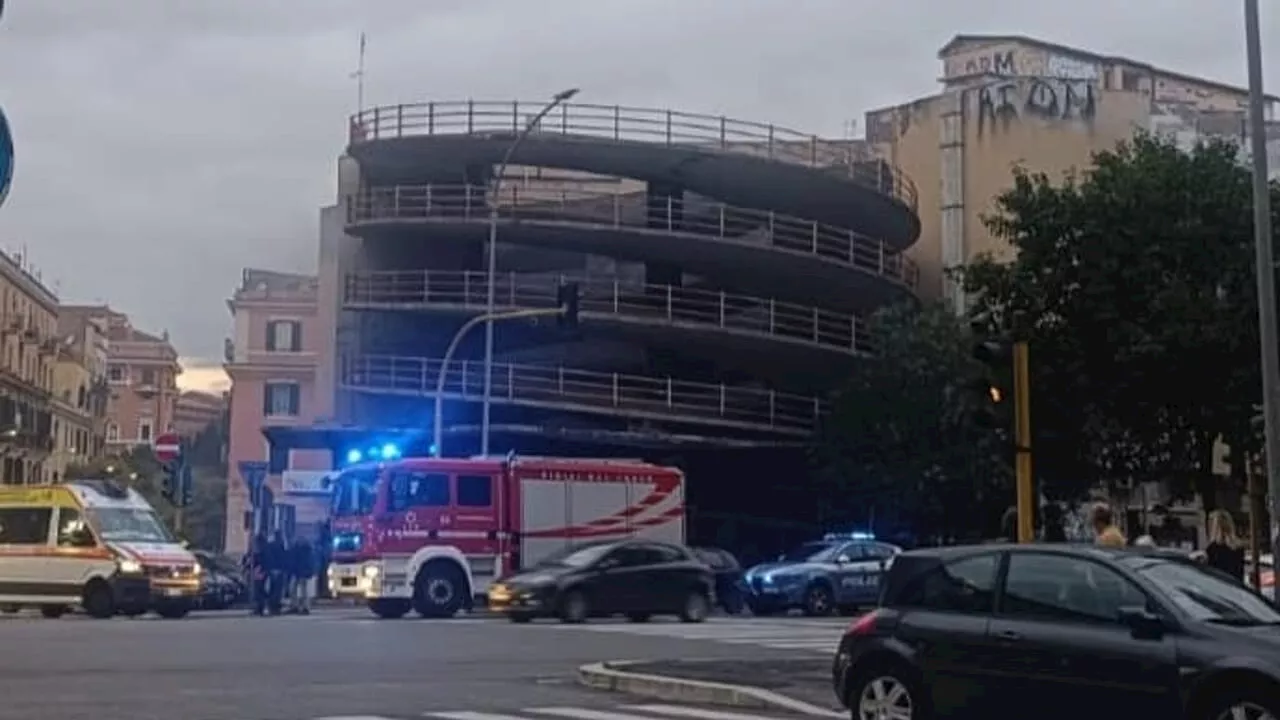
x=354, y=492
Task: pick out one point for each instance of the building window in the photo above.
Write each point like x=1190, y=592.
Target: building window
x=284, y=336
x=116, y=374
x=145, y=427
x=113, y=432
x=149, y=377
x=281, y=399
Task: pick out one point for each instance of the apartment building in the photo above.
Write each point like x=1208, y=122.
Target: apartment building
x=195, y=411
x=80, y=396
x=272, y=362
x=1013, y=100
x=28, y=348
x=142, y=371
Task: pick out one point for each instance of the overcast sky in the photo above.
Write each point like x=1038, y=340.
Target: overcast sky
x=165, y=144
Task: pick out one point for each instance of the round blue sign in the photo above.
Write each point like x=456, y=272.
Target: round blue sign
x=6, y=156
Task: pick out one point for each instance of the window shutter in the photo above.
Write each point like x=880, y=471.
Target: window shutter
x=271, y=336
x=266, y=399
x=295, y=337
x=295, y=398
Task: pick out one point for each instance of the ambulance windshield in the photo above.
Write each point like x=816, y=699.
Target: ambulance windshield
x=130, y=525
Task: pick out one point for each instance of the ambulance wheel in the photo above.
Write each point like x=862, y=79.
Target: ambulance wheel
x=389, y=609
x=98, y=601
x=53, y=612
x=440, y=590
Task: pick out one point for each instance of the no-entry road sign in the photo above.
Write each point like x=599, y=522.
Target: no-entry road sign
x=168, y=448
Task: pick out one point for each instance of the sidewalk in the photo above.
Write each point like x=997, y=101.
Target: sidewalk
x=742, y=683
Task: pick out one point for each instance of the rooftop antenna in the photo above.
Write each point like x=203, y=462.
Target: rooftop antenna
x=358, y=75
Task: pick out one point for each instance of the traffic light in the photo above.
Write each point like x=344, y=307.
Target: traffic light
x=185, y=480
x=993, y=386
x=170, y=482
x=567, y=295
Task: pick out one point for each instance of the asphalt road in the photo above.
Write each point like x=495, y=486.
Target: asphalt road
x=342, y=662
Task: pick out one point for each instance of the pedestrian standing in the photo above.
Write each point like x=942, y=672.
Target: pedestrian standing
x=304, y=570
x=1104, y=526
x=1225, y=551
x=277, y=566
x=259, y=573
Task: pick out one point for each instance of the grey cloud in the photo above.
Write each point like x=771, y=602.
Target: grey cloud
x=162, y=144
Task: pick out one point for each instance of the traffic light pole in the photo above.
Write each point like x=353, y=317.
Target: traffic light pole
x=488, y=320
x=1022, y=439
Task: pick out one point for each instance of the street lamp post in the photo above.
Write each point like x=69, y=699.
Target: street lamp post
x=491, y=276
x=1265, y=262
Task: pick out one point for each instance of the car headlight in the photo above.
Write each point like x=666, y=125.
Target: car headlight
x=130, y=566
x=196, y=569
x=370, y=571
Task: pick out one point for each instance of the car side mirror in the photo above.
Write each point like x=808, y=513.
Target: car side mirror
x=1142, y=623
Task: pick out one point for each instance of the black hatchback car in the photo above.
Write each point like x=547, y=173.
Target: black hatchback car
x=1060, y=631
x=635, y=578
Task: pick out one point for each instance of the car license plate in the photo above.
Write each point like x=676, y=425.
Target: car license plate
x=172, y=592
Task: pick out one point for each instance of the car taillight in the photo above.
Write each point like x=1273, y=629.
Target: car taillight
x=864, y=625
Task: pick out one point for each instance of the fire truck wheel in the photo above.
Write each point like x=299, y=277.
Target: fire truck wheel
x=440, y=590
x=573, y=608
x=389, y=609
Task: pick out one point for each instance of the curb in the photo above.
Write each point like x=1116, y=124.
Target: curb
x=608, y=676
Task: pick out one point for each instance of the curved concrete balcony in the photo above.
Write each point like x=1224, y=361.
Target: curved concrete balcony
x=697, y=315
x=743, y=163
x=756, y=251
x=576, y=391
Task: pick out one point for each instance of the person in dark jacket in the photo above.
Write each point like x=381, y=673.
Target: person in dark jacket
x=277, y=571
x=1225, y=551
x=259, y=573
x=303, y=569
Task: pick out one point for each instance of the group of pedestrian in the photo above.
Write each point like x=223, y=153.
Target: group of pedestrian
x=281, y=574
x=1224, y=551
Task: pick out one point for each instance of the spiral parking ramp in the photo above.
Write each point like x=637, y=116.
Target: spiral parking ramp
x=736, y=260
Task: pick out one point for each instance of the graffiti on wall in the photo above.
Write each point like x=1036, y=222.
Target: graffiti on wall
x=1000, y=103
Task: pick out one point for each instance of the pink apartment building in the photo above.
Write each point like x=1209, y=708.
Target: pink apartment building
x=273, y=361
x=142, y=376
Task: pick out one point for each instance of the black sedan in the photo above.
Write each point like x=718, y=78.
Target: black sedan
x=635, y=578
x=730, y=586
x=1060, y=631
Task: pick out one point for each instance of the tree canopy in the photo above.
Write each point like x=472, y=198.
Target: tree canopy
x=1134, y=284
x=901, y=443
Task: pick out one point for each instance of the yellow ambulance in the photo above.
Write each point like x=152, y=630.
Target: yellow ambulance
x=93, y=544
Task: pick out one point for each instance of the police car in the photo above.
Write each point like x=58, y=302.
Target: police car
x=839, y=572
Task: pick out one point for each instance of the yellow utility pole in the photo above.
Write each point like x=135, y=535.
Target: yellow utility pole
x=1022, y=439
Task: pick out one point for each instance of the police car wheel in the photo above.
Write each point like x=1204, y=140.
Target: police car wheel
x=817, y=601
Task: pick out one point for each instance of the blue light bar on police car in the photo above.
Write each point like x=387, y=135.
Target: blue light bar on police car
x=833, y=537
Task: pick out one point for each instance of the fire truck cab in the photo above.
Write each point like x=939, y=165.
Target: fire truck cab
x=430, y=534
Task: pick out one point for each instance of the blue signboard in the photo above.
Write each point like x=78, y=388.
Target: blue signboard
x=254, y=474
x=6, y=153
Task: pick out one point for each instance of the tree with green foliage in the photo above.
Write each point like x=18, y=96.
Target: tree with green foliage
x=902, y=436
x=1133, y=282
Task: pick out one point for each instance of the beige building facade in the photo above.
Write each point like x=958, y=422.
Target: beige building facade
x=1009, y=101
x=80, y=396
x=28, y=346
x=142, y=371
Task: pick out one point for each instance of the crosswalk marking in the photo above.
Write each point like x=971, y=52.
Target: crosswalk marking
x=585, y=714
x=696, y=713
x=778, y=635
x=469, y=715
x=626, y=712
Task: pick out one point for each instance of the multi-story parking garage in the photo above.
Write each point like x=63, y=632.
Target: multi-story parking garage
x=726, y=270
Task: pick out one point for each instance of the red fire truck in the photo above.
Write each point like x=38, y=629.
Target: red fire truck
x=430, y=534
